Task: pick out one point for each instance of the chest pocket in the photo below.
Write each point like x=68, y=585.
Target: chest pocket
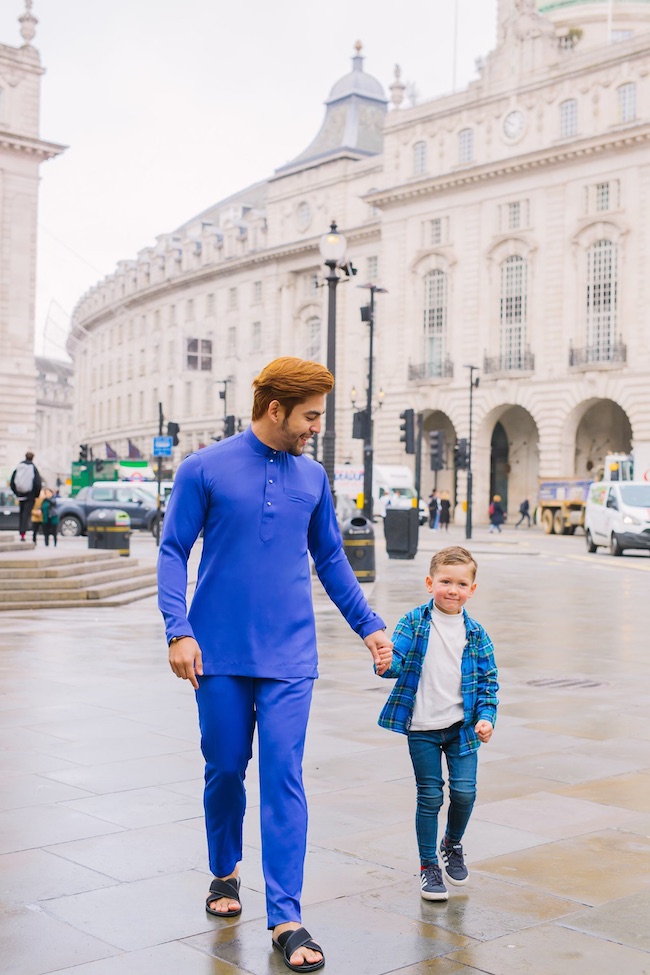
x=301, y=498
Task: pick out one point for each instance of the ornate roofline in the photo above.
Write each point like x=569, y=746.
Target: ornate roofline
x=21, y=143
x=509, y=167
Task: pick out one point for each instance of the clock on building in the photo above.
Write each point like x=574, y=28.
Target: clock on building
x=513, y=124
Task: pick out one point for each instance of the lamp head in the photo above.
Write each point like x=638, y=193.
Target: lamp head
x=333, y=246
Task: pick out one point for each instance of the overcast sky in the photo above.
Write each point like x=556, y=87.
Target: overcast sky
x=168, y=106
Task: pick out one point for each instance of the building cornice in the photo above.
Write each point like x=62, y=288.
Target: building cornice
x=211, y=272
x=25, y=144
x=621, y=139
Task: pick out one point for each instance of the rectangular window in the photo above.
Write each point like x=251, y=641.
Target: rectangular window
x=198, y=355
x=465, y=146
x=419, y=158
x=209, y=304
x=602, y=196
x=188, y=399
x=435, y=231
x=189, y=310
x=172, y=314
x=256, y=337
x=311, y=283
x=371, y=269
x=568, y=118
x=170, y=399
x=156, y=319
x=257, y=290
x=232, y=298
x=232, y=341
x=627, y=102
x=514, y=215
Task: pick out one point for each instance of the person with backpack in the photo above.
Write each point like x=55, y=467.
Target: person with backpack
x=26, y=483
x=497, y=514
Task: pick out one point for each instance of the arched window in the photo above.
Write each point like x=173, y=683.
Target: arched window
x=435, y=322
x=313, y=338
x=514, y=301
x=465, y=146
x=601, y=299
x=419, y=158
x=568, y=118
x=627, y=102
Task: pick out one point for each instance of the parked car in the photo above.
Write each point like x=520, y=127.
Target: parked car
x=8, y=510
x=138, y=504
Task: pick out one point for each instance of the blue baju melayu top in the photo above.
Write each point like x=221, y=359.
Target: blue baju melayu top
x=260, y=510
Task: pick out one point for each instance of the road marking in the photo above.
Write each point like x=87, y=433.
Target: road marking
x=613, y=564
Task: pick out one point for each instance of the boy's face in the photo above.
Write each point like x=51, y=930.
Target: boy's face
x=451, y=587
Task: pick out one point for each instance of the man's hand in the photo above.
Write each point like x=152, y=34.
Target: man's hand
x=185, y=660
x=381, y=649
x=484, y=730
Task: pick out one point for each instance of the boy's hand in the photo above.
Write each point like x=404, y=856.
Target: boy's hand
x=484, y=730
x=381, y=649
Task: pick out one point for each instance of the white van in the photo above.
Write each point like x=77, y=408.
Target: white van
x=618, y=515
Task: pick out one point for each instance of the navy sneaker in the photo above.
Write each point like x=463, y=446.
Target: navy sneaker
x=432, y=885
x=453, y=863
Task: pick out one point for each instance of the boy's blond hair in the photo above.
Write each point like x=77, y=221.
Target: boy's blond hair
x=453, y=555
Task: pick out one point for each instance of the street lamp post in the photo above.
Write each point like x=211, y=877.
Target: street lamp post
x=368, y=315
x=332, y=247
x=472, y=384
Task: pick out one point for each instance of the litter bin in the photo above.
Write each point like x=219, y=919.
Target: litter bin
x=109, y=529
x=401, y=532
x=359, y=546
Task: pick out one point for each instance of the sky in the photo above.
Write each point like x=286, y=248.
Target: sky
x=168, y=106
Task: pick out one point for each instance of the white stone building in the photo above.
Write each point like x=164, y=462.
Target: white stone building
x=508, y=223
x=21, y=153
x=53, y=445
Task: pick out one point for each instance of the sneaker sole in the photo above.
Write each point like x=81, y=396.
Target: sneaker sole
x=443, y=896
x=451, y=880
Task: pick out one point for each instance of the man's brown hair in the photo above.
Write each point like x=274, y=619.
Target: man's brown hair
x=453, y=555
x=290, y=381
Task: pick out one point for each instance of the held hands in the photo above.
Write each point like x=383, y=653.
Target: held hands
x=186, y=661
x=484, y=730
x=381, y=649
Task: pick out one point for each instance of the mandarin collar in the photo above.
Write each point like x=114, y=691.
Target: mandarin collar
x=260, y=448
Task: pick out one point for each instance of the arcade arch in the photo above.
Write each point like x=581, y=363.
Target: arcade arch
x=595, y=428
x=508, y=455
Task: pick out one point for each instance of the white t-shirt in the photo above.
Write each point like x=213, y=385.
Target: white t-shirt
x=438, y=700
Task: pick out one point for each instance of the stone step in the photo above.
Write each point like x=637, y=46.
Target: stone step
x=83, y=580
x=45, y=597
x=46, y=570
x=133, y=597
x=35, y=561
x=9, y=545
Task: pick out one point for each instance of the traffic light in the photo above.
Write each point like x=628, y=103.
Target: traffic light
x=173, y=431
x=84, y=453
x=360, y=425
x=408, y=430
x=229, y=426
x=437, y=446
x=461, y=454
x=99, y=466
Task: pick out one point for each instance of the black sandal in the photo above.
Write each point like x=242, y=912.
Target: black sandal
x=290, y=941
x=224, y=888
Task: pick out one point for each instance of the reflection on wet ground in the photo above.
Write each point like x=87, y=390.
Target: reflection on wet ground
x=102, y=852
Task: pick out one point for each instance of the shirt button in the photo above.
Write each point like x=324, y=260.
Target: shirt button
x=270, y=480
x=271, y=461
x=268, y=503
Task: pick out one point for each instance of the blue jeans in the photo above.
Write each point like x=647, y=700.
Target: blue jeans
x=426, y=748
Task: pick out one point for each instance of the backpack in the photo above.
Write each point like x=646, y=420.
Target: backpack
x=23, y=478
x=492, y=509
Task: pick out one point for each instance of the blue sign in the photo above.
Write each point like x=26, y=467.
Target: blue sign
x=162, y=446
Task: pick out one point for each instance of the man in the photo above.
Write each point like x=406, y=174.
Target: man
x=26, y=483
x=248, y=643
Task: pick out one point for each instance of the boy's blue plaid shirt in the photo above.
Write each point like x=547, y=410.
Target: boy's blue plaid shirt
x=478, y=670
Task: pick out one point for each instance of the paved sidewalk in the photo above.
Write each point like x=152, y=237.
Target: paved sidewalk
x=102, y=852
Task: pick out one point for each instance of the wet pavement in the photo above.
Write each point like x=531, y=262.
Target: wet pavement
x=102, y=852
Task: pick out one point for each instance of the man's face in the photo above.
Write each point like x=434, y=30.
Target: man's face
x=296, y=430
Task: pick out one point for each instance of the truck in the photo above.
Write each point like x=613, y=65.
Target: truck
x=562, y=501
x=393, y=481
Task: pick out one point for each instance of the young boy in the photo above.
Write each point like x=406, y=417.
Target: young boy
x=445, y=700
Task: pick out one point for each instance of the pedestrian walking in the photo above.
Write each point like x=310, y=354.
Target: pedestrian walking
x=50, y=516
x=445, y=511
x=445, y=701
x=524, y=511
x=26, y=484
x=497, y=514
x=434, y=510
x=248, y=642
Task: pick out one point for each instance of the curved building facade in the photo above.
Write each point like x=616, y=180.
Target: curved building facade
x=508, y=224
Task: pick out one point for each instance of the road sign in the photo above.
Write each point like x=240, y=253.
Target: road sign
x=162, y=446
